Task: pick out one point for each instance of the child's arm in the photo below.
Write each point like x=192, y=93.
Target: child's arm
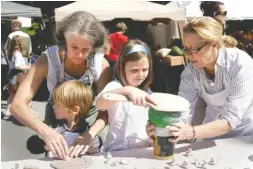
x=137, y=96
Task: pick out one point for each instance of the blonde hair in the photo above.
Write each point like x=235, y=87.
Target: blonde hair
x=121, y=26
x=229, y=41
x=132, y=57
x=207, y=28
x=74, y=93
x=16, y=44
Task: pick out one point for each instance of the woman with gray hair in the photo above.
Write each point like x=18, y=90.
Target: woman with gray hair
x=218, y=76
x=77, y=56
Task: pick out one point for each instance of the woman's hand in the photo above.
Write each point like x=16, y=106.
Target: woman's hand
x=138, y=97
x=55, y=143
x=80, y=145
x=180, y=131
x=150, y=129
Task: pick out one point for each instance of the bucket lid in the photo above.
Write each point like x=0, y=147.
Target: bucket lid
x=169, y=102
x=165, y=102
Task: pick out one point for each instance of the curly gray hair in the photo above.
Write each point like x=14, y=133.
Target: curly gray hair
x=83, y=24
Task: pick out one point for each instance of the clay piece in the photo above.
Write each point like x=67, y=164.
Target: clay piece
x=172, y=162
x=108, y=155
x=123, y=162
x=107, y=161
x=167, y=167
x=199, y=164
x=184, y=165
x=114, y=164
x=188, y=153
x=212, y=161
x=195, y=161
x=76, y=163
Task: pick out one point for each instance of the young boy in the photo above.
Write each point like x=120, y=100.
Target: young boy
x=72, y=101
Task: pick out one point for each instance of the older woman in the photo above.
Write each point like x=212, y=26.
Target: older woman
x=221, y=77
x=77, y=56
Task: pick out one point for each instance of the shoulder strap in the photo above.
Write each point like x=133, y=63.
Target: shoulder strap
x=55, y=60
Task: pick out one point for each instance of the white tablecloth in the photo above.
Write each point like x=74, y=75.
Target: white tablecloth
x=236, y=153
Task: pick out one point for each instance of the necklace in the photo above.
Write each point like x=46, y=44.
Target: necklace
x=211, y=83
x=210, y=77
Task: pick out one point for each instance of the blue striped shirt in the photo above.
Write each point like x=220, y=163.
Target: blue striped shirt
x=236, y=67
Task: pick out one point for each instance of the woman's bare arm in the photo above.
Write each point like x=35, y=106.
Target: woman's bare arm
x=27, y=89
x=20, y=108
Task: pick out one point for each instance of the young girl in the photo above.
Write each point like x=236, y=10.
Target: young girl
x=18, y=65
x=127, y=120
x=73, y=100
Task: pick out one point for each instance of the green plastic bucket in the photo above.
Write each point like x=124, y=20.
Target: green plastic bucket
x=163, y=149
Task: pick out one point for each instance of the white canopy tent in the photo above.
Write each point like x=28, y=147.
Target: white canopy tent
x=108, y=10
x=11, y=9
x=237, y=10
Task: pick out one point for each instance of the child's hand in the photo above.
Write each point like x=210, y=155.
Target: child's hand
x=138, y=97
x=47, y=148
x=150, y=129
x=80, y=145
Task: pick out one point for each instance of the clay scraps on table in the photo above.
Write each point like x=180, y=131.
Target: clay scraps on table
x=188, y=153
x=76, y=163
x=27, y=167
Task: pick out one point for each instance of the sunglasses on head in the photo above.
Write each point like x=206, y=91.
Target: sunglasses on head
x=223, y=13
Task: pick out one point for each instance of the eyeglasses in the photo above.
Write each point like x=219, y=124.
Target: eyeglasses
x=223, y=13
x=193, y=50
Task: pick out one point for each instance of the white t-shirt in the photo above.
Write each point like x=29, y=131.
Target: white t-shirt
x=18, y=60
x=127, y=124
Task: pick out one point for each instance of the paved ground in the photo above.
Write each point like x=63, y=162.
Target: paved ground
x=14, y=136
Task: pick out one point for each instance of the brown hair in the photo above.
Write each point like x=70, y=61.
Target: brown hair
x=121, y=26
x=16, y=44
x=210, y=7
x=74, y=93
x=206, y=27
x=135, y=56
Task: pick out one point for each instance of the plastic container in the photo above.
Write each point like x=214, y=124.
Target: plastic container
x=163, y=149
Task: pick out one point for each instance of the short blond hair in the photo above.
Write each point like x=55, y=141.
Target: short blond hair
x=74, y=93
x=206, y=27
x=229, y=41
